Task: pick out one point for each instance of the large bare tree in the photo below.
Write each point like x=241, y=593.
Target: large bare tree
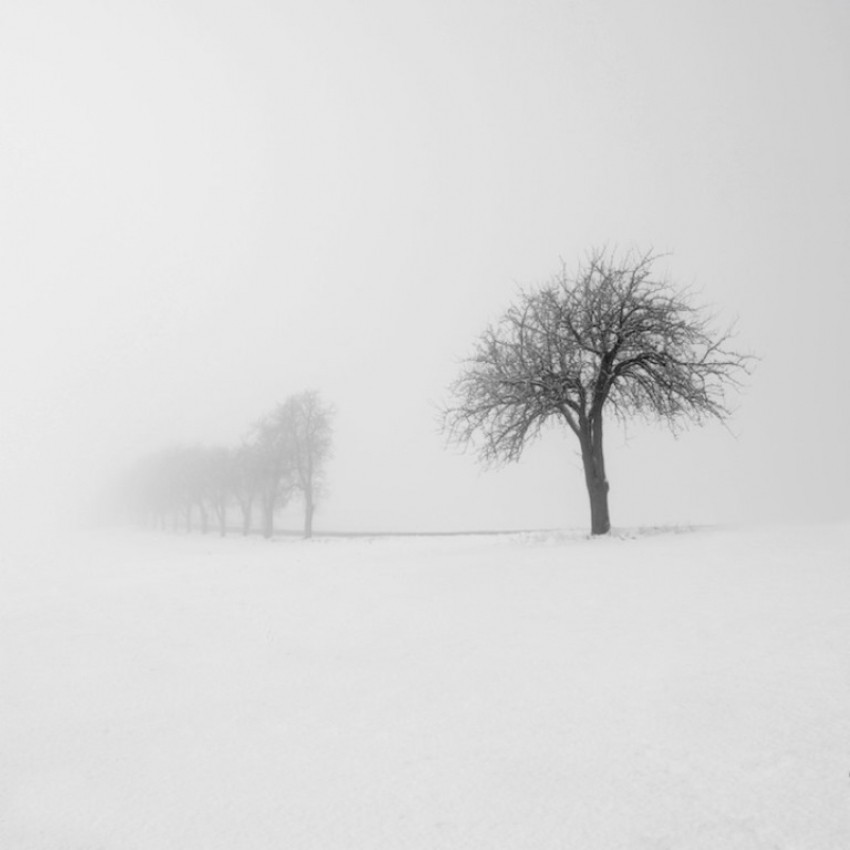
x=612, y=338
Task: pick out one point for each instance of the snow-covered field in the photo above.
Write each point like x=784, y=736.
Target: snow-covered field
x=673, y=690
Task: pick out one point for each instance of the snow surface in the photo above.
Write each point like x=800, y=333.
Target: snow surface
x=663, y=690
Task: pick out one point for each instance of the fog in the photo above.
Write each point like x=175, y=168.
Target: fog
x=208, y=206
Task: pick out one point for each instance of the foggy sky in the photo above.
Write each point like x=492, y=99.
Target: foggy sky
x=207, y=206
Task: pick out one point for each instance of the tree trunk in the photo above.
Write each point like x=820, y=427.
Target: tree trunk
x=268, y=518
x=222, y=520
x=309, y=509
x=593, y=460
x=600, y=520
x=188, y=517
x=204, y=524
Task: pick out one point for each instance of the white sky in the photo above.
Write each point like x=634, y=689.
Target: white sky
x=208, y=205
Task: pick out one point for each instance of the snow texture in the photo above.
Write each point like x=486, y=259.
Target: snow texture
x=649, y=690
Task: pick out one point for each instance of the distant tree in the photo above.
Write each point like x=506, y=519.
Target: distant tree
x=143, y=491
x=285, y=451
x=276, y=468
x=194, y=465
x=247, y=481
x=166, y=487
x=176, y=480
x=170, y=484
x=219, y=483
x=613, y=337
x=305, y=423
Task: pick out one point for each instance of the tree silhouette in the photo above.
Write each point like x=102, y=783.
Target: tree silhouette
x=612, y=338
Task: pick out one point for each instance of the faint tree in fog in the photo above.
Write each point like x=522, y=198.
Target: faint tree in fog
x=276, y=468
x=247, y=481
x=305, y=423
x=284, y=452
x=161, y=484
x=614, y=337
x=191, y=482
x=219, y=483
x=146, y=491
x=158, y=486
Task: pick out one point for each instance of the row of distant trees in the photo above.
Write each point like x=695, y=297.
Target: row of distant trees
x=283, y=455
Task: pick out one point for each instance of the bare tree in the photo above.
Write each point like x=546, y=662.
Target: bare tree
x=305, y=423
x=196, y=479
x=219, y=469
x=247, y=481
x=275, y=468
x=286, y=451
x=145, y=491
x=614, y=337
x=171, y=482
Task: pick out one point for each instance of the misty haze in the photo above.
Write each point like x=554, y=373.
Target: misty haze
x=314, y=316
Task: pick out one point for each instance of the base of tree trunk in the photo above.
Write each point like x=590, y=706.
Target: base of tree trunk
x=600, y=519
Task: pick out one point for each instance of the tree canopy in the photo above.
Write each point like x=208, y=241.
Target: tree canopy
x=614, y=336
